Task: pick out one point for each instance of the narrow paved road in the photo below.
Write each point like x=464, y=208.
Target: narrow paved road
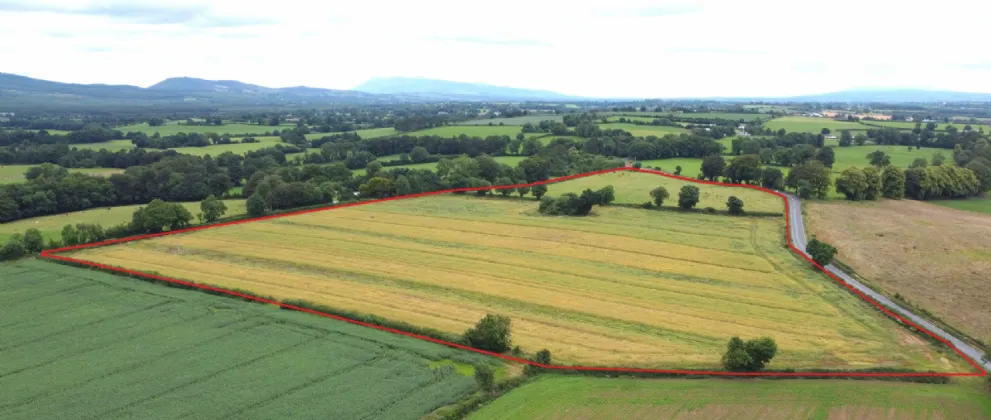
x=798, y=238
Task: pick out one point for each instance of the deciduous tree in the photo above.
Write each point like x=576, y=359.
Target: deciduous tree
x=658, y=195
x=821, y=252
x=688, y=197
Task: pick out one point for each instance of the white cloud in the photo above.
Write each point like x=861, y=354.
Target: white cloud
x=622, y=48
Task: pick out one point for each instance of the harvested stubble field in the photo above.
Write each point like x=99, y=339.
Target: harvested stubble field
x=557, y=397
x=936, y=257
x=623, y=287
x=84, y=344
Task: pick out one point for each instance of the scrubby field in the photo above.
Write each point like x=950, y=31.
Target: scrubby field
x=51, y=226
x=173, y=127
x=473, y=130
x=936, y=257
x=10, y=174
x=635, y=187
x=559, y=397
x=812, y=125
x=622, y=287
x=532, y=119
x=718, y=115
x=112, y=145
x=643, y=130
x=83, y=344
x=508, y=160
x=910, y=125
x=368, y=133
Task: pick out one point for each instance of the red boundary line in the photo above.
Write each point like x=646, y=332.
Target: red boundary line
x=51, y=255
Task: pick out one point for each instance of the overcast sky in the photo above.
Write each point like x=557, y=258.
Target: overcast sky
x=615, y=48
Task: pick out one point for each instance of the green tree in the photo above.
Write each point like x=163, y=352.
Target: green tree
x=688, y=197
x=872, y=177
x=419, y=154
x=735, y=205
x=804, y=189
x=14, y=248
x=713, y=167
x=919, y=162
x=531, y=147
x=860, y=139
x=845, y=138
x=825, y=131
x=982, y=169
x=677, y=170
x=375, y=188
x=403, y=186
x=745, y=168
x=751, y=147
x=736, y=358
x=659, y=194
x=772, y=178
x=70, y=236
x=827, y=156
x=893, y=182
x=485, y=377
x=879, y=159
x=815, y=174
x=538, y=191
x=33, y=241
x=256, y=205
x=852, y=183
x=506, y=192
x=524, y=190
x=212, y=208
x=491, y=333
x=821, y=252
x=938, y=159
x=766, y=156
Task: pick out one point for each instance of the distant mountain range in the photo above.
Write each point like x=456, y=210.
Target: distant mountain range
x=186, y=93
x=443, y=89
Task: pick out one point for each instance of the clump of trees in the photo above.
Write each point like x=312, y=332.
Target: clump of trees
x=749, y=356
x=688, y=197
x=822, y=253
x=658, y=195
x=491, y=333
x=734, y=205
x=571, y=204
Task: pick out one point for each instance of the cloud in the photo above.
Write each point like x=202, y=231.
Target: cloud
x=620, y=48
x=487, y=41
x=189, y=14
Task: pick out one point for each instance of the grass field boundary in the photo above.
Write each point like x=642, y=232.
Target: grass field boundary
x=52, y=254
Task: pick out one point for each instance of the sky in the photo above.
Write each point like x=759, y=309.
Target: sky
x=615, y=48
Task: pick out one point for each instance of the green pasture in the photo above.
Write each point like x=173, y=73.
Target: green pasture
x=576, y=397
x=85, y=344
x=975, y=204
x=508, y=160
x=174, y=127
x=51, y=226
x=112, y=145
x=11, y=174
x=472, y=131
x=812, y=125
x=643, y=130
x=533, y=119
x=368, y=133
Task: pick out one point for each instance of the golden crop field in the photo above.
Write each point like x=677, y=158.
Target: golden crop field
x=621, y=287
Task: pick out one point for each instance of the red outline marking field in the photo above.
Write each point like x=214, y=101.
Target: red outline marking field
x=981, y=372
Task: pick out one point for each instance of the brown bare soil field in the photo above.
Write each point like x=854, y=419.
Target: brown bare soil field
x=936, y=257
